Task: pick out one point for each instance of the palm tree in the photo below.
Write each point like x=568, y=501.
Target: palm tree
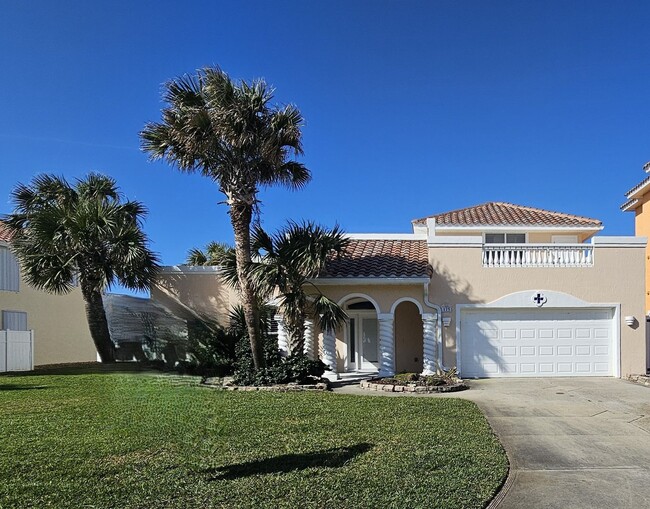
x=213, y=254
x=230, y=133
x=64, y=233
x=286, y=263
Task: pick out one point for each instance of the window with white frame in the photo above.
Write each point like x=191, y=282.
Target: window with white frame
x=505, y=238
x=9, y=271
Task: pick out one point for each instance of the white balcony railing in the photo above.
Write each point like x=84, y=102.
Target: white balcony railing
x=538, y=255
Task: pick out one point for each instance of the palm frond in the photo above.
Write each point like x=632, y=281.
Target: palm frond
x=330, y=315
x=196, y=256
x=61, y=231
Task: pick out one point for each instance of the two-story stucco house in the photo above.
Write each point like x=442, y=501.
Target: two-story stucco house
x=497, y=290
x=59, y=322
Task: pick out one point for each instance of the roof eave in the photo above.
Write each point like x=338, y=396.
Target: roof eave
x=524, y=227
x=190, y=269
x=371, y=280
x=639, y=190
x=630, y=205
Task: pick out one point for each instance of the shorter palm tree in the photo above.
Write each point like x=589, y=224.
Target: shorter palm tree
x=285, y=265
x=64, y=233
x=212, y=255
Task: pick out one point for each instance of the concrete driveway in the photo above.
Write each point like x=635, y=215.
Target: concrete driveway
x=572, y=442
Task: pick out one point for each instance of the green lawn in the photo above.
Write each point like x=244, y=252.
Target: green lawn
x=137, y=440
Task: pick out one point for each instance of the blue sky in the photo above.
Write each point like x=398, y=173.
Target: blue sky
x=411, y=108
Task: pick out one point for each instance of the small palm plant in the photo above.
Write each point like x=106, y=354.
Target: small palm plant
x=285, y=266
x=212, y=255
x=65, y=233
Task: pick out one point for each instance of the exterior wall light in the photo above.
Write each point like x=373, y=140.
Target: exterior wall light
x=446, y=321
x=630, y=321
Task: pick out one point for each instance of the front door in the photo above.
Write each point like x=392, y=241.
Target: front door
x=363, y=342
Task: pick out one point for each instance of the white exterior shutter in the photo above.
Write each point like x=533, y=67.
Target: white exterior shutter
x=9, y=271
x=14, y=320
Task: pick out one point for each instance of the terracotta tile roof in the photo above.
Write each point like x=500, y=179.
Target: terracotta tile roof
x=5, y=236
x=508, y=214
x=381, y=258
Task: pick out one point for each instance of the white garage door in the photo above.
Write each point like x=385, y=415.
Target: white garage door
x=540, y=342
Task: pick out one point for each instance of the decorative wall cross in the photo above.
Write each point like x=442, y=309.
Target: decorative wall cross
x=539, y=299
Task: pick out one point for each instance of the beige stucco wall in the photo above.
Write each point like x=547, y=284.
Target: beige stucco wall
x=642, y=229
x=189, y=295
x=59, y=323
x=616, y=277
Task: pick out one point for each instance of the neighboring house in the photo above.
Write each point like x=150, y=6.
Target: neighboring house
x=496, y=290
x=59, y=322
x=638, y=201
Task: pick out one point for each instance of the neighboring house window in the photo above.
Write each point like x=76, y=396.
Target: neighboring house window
x=505, y=238
x=9, y=271
x=14, y=320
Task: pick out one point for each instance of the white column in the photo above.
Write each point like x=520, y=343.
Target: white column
x=329, y=354
x=310, y=350
x=429, y=360
x=386, y=344
x=283, y=341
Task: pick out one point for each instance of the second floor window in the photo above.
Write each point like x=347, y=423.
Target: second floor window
x=505, y=238
x=9, y=272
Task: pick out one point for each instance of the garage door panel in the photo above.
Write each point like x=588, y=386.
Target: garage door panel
x=543, y=342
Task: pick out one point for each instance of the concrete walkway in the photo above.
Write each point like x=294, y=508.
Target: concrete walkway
x=573, y=443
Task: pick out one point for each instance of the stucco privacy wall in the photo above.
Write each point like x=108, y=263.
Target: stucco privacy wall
x=191, y=292
x=616, y=277
x=59, y=322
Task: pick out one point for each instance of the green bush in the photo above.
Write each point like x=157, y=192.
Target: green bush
x=211, y=350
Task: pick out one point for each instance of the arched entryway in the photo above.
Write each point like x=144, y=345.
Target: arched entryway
x=361, y=335
x=408, y=338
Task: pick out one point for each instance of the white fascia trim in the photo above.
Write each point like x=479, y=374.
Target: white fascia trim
x=519, y=228
x=619, y=241
x=387, y=236
x=455, y=241
x=371, y=281
x=190, y=269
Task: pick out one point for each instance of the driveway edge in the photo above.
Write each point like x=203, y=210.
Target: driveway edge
x=505, y=487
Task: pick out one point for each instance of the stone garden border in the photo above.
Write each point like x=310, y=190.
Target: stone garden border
x=220, y=383
x=412, y=388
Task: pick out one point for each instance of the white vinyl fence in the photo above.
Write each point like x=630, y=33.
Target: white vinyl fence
x=16, y=350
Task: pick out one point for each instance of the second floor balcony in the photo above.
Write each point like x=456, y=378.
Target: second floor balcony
x=538, y=255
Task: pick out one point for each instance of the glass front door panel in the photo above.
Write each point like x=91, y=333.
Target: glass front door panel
x=352, y=343
x=369, y=342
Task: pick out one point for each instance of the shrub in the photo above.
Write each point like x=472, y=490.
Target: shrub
x=210, y=348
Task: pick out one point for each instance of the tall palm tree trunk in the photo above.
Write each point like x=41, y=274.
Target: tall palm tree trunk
x=295, y=325
x=97, y=323
x=241, y=214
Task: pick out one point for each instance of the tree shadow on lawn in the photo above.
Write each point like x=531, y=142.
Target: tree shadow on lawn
x=329, y=458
